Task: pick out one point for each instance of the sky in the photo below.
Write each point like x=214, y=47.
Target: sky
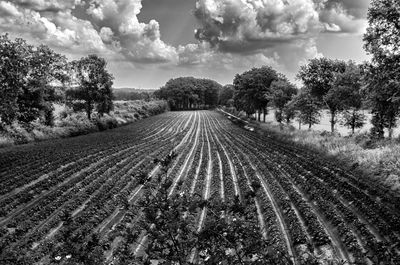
x=148, y=42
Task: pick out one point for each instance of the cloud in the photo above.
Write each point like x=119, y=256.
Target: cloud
x=61, y=30
x=356, y=8
x=111, y=27
x=8, y=10
x=246, y=26
x=138, y=42
x=46, y=5
x=344, y=16
x=240, y=26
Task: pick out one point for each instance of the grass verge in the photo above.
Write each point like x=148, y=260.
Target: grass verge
x=69, y=123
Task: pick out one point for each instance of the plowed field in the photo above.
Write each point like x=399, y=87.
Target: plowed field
x=308, y=205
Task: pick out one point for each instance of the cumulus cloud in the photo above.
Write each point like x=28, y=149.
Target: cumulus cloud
x=239, y=25
x=250, y=25
x=8, y=10
x=343, y=16
x=111, y=27
x=61, y=31
x=46, y=5
x=138, y=42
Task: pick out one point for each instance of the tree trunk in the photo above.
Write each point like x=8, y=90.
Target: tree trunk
x=299, y=124
x=309, y=126
x=89, y=109
x=264, y=113
x=390, y=130
x=259, y=115
x=333, y=114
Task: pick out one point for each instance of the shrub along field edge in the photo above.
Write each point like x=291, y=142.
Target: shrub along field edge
x=376, y=162
x=69, y=123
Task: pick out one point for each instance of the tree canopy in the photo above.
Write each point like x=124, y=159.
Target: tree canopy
x=94, y=85
x=226, y=95
x=26, y=75
x=190, y=93
x=253, y=89
x=382, y=75
x=307, y=107
x=282, y=92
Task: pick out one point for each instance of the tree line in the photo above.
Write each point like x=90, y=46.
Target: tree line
x=343, y=88
x=184, y=93
x=33, y=78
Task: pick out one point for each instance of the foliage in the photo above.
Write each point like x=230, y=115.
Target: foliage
x=282, y=92
x=231, y=234
x=226, y=95
x=253, y=89
x=353, y=119
x=383, y=73
x=94, y=85
x=289, y=112
x=190, y=93
x=25, y=80
x=319, y=77
x=75, y=248
x=307, y=106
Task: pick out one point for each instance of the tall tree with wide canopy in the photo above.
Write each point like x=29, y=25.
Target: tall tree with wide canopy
x=307, y=107
x=14, y=68
x=26, y=77
x=382, y=75
x=348, y=89
x=189, y=92
x=282, y=92
x=94, y=85
x=319, y=77
x=253, y=89
x=226, y=95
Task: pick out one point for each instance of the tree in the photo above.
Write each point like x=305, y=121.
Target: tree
x=211, y=91
x=189, y=92
x=307, y=106
x=26, y=77
x=348, y=89
x=46, y=68
x=353, y=119
x=282, y=92
x=94, y=85
x=382, y=75
x=14, y=68
x=253, y=89
x=319, y=77
x=289, y=112
x=226, y=95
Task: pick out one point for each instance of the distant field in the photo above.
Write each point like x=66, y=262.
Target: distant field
x=306, y=204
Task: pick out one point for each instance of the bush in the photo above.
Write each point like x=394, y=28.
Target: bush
x=105, y=123
x=6, y=141
x=19, y=133
x=365, y=141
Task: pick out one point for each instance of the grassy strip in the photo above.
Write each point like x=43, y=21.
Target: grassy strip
x=69, y=123
x=377, y=162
